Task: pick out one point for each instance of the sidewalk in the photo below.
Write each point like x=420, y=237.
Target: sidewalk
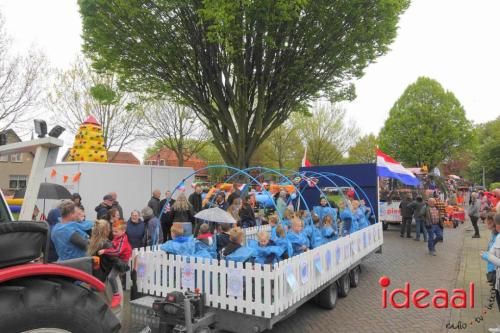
x=473, y=269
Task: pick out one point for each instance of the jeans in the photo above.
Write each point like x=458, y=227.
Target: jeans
x=406, y=223
x=113, y=275
x=474, y=219
x=420, y=228
x=435, y=235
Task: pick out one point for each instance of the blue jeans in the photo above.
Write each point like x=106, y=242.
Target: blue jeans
x=420, y=228
x=435, y=235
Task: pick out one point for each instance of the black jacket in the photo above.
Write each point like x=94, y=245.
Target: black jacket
x=181, y=216
x=116, y=205
x=102, y=211
x=154, y=204
x=247, y=216
x=196, y=201
x=406, y=209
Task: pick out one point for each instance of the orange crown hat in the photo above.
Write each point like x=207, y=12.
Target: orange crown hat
x=119, y=224
x=91, y=120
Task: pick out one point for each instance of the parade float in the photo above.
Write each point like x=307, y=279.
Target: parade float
x=192, y=294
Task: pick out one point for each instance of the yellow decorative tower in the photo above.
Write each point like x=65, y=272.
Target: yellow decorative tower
x=89, y=143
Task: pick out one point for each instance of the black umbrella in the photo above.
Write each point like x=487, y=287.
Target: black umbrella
x=47, y=191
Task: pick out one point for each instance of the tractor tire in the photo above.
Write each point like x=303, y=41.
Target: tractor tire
x=354, y=277
x=56, y=304
x=344, y=285
x=327, y=298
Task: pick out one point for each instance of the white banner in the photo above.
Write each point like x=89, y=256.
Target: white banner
x=390, y=212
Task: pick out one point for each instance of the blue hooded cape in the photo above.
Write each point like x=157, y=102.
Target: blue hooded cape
x=241, y=255
x=316, y=237
x=183, y=246
x=202, y=250
x=329, y=234
x=269, y=254
x=348, y=221
x=297, y=241
x=324, y=211
x=361, y=219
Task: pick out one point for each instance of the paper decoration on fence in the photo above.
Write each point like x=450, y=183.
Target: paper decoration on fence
x=354, y=248
x=76, y=177
x=328, y=259
x=304, y=272
x=187, y=276
x=347, y=251
x=89, y=143
x=374, y=235
x=290, y=278
x=53, y=173
x=141, y=266
x=365, y=240
x=338, y=255
x=358, y=242
x=65, y=179
x=234, y=282
x=317, y=263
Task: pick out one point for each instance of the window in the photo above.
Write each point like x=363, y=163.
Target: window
x=4, y=158
x=17, y=182
x=17, y=158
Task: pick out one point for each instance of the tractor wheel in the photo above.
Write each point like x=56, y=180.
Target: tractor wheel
x=53, y=305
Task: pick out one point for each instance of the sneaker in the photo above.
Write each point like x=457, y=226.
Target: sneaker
x=408, y=236
x=401, y=236
x=116, y=300
x=416, y=240
x=433, y=253
x=476, y=236
x=494, y=330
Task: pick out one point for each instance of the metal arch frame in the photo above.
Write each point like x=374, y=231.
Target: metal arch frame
x=218, y=166
x=269, y=170
x=351, y=182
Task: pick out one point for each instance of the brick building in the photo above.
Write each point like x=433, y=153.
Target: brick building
x=167, y=157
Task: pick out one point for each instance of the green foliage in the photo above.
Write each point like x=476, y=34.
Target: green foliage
x=104, y=94
x=327, y=134
x=364, y=150
x=244, y=66
x=426, y=125
x=486, y=152
x=494, y=185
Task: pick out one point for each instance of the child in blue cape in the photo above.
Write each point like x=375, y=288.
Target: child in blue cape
x=297, y=237
x=282, y=242
x=205, y=245
x=329, y=230
x=359, y=215
x=316, y=236
x=234, y=250
x=323, y=209
x=346, y=218
x=368, y=212
x=180, y=244
x=266, y=251
x=287, y=218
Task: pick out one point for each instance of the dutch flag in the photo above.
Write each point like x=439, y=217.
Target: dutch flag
x=390, y=168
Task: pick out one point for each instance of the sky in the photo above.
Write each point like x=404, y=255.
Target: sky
x=452, y=41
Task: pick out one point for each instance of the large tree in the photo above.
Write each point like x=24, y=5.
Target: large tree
x=486, y=155
x=327, y=133
x=242, y=65
x=80, y=91
x=20, y=82
x=426, y=125
x=282, y=148
x=176, y=128
x=364, y=150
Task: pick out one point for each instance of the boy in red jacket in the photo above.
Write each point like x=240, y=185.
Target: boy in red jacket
x=122, y=250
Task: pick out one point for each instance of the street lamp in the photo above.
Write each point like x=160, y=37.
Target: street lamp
x=40, y=127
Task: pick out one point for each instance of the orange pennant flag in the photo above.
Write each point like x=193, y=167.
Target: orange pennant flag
x=53, y=173
x=76, y=177
x=65, y=179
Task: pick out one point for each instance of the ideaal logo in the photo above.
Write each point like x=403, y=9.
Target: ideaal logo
x=423, y=298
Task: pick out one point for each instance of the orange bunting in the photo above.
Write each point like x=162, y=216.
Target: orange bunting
x=53, y=173
x=76, y=177
x=65, y=179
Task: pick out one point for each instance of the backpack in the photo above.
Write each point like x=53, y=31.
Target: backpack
x=422, y=211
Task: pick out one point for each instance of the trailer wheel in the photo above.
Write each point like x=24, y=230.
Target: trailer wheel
x=327, y=298
x=354, y=277
x=53, y=305
x=344, y=285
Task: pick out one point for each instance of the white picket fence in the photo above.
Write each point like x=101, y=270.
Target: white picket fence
x=258, y=290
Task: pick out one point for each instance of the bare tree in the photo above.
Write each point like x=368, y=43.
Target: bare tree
x=177, y=128
x=327, y=133
x=80, y=92
x=20, y=82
